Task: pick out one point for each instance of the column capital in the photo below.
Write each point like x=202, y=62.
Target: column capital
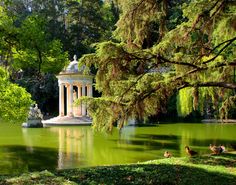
x=60, y=83
x=68, y=85
x=78, y=85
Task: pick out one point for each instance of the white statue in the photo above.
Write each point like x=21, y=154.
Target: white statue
x=73, y=66
x=74, y=95
x=35, y=113
x=31, y=113
x=38, y=112
x=34, y=118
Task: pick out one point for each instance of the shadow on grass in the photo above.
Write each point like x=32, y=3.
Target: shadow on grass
x=148, y=174
x=225, y=159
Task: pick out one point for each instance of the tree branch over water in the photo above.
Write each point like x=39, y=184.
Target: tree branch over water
x=209, y=84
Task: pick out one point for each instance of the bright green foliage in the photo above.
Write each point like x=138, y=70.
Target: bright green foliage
x=35, y=50
x=26, y=43
x=14, y=101
x=196, y=57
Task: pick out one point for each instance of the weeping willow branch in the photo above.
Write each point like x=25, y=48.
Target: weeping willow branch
x=159, y=57
x=227, y=85
x=229, y=102
x=195, y=70
x=229, y=42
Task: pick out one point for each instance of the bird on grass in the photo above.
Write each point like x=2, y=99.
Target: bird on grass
x=223, y=148
x=189, y=151
x=217, y=149
x=167, y=154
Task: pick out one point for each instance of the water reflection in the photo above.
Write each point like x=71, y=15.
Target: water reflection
x=81, y=147
x=75, y=146
x=71, y=147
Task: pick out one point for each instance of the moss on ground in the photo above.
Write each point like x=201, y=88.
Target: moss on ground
x=199, y=170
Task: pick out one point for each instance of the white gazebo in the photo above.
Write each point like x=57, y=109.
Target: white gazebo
x=73, y=83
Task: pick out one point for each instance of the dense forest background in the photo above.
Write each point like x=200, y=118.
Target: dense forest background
x=153, y=59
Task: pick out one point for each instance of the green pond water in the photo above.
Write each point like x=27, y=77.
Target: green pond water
x=23, y=150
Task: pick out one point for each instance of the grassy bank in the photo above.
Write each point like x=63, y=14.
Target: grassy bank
x=184, y=171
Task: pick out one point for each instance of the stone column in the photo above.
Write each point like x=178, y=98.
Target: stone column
x=71, y=113
x=83, y=104
x=69, y=100
x=79, y=91
x=61, y=100
x=90, y=90
x=79, y=95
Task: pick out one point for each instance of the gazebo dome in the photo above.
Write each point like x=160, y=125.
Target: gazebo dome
x=73, y=67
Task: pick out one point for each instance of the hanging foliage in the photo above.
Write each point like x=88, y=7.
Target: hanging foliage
x=189, y=58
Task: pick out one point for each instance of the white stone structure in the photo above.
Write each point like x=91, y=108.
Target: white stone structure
x=73, y=84
x=34, y=118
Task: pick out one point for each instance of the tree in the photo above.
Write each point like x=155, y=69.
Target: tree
x=14, y=101
x=194, y=50
x=35, y=50
x=87, y=22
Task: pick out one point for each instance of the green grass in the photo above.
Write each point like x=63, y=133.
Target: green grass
x=210, y=170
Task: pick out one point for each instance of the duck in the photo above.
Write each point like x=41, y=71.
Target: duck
x=167, y=154
x=216, y=149
x=223, y=148
x=190, y=152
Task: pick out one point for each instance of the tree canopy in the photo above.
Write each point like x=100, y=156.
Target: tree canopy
x=164, y=49
x=14, y=101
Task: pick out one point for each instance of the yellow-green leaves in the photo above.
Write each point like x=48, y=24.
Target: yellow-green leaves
x=185, y=102
x=35, y=49
x=14, y=100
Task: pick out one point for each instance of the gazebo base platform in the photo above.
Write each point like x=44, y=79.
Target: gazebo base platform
x=67, y=121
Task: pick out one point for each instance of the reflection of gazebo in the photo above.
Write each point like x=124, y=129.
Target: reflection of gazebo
x=73, y=83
